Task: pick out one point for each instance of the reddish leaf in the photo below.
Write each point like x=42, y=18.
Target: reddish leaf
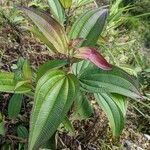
x=94, y=56
x=49, y=27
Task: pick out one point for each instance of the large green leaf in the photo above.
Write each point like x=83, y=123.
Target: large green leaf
x=89, y=26
x=113, y=112
x=7, y=84
x=14, y=106
x=37, y=33
x=121, y=101
x=78, y=68
x=50, y=28
x=52, y=64
x=116, y=80
x=57, y=10
x=51, y=144
x=83, y=108
x=54, y=96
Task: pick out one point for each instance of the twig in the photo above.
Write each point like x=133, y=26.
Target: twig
x=22, y=140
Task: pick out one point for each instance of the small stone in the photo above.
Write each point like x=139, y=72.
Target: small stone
x=139, y=148
x=127, y=145
x=147, y=137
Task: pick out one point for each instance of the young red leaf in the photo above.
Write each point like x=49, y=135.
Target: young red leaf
x=94, y=56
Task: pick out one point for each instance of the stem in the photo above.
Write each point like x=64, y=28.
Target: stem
x=146, y=116
x=136, y=59
x=141, y=15
x=22, y=140
x=67, y=18
x=146, y=98
x=145, y=105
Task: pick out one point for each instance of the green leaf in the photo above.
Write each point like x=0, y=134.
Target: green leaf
x=83, y=108
x=17, y=69
x=51, y=144
x=50, y=28
x=21, y=83
x=22, y=72
x=78, y=68
x=54, y=95
x=43, y=39
x=57, y=10
x=121, y=102
x=22, y=132
x=113, y=112
x=2, y=126
x=84, y=2
x=14, y=106
x=89, y=26
x=7, y=84
x=116, y=80
x=66, y=3
x=52, y=64
x=26, y=70
x=115, y=7
x=68, y=125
